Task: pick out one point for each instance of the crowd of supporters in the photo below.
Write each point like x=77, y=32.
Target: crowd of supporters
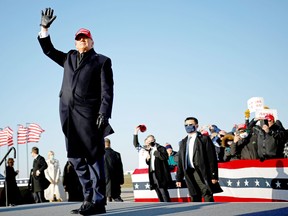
x=255, y=139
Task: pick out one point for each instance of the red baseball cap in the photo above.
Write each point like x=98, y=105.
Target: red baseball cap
x=84, y=32
x=242, y=127
x=269, y=117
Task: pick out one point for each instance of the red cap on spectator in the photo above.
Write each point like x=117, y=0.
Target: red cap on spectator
x=269, y=117
x=142, y=128
x=242, y=127
x=84, y=32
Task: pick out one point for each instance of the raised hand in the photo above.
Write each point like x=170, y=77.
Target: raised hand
x=47, y=17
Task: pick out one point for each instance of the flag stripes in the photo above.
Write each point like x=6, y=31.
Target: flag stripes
x=3, y=138
x=34, y=132
x=22, y=135
x=9, y=132
x=241, y=181
x=6, y=136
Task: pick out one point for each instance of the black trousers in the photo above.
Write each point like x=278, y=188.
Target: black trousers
x=92, y=178
x=201, y=188
x=162, y=193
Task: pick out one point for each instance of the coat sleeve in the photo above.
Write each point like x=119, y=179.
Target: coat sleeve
x=49, y=50
x=47, y=175
x=161, y=153
x=120, y=169
x=135, y=141
x=42, y=164
x=180, y=167
x=107, y=88
x=58, y=173
x=212, y=158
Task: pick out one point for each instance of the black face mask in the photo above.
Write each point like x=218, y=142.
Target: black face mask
x=152, y=144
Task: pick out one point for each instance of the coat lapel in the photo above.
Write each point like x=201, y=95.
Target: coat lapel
x=87, y=56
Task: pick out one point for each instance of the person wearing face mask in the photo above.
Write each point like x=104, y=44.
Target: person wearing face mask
x=158, y=169
x=226, y=143
x=271, y=137
x=197, y=162
x=244, y=145
x=55, y=191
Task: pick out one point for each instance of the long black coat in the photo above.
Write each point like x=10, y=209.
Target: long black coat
x=204, y=160
x=38, y=183
x=162, y=171
x=113, y=172
x=87, y=91
x=14, y=195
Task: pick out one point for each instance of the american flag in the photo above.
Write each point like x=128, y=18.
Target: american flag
x=6, y=136
x=3, y=138
x=9, y=132
x=34, y=132
x=22, y=134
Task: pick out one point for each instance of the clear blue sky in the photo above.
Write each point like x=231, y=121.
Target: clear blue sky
x=171, y=59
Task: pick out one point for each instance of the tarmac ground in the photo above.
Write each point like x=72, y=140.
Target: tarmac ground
x=129, y=207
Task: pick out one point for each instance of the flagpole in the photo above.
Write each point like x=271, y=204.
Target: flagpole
x=28, y=176
x=28, y=171
x=17, y=154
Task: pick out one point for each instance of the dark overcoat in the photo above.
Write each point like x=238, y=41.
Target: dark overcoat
x=162, y=171
x=113, y=172
x=204, y=160
x=86, y=92
x=39, y=183
x=13, y=192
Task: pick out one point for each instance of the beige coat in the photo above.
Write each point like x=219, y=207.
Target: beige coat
x=53, y=173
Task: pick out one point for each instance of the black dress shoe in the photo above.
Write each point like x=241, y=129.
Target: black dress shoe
x=76, y=211
x=90, y=209
x=119, y=199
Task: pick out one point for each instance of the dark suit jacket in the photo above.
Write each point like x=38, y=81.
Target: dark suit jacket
x=39, y=183
x=87, y=91
x=204, y=160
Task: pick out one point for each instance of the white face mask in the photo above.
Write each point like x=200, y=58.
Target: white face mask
x=244, y=135
x=51, y=157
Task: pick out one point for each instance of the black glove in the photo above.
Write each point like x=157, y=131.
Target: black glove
x=102, y=120
x=47, y=17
